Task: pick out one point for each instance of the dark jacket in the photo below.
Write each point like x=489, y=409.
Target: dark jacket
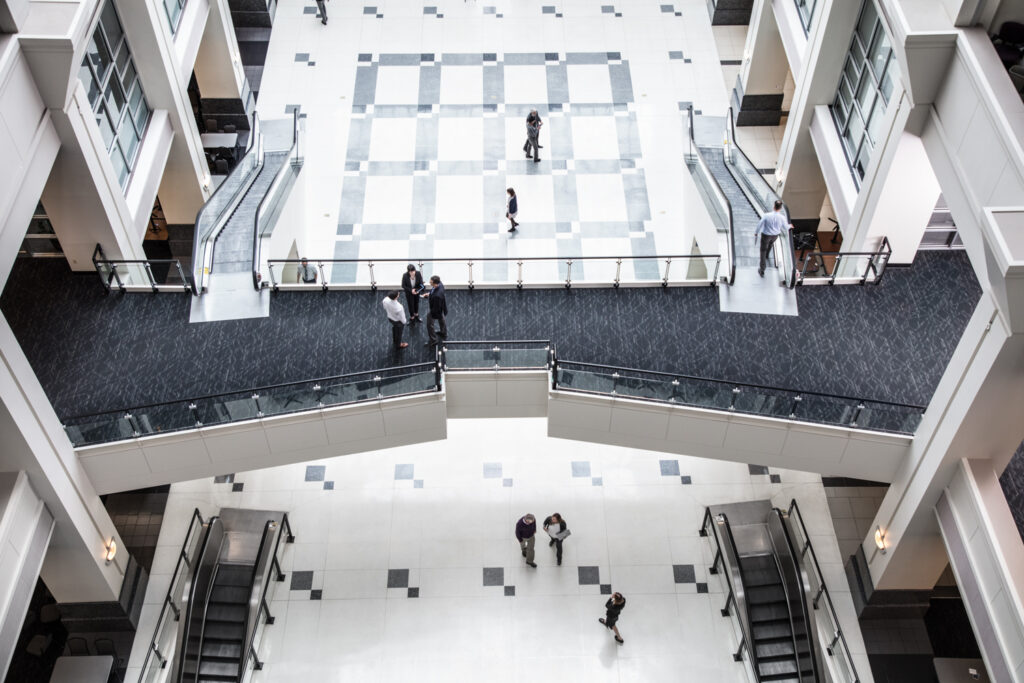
x=513, y=206
x=408, y=284
x=524, y=530
x=549, y=522
x=612, y=611
x=438, y=305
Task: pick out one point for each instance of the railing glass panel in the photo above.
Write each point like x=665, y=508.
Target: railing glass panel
x=749, y=399
x=272, y=204
x=487, y=355
x=717, y=203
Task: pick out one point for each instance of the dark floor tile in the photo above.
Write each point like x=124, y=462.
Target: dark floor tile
x=684, y=573
x=316, y=594
x=492, y=470
x=510, y=591
x=403, y=471
x=315, y=472
x=597, y=481
x=494, y=576
x=417, y=483
x=413, y=592
x=398, y=578
x=301, y=56
x=589, y=576
x=606, y=589
x=224, y=479
x=669, y=468
x=580, y=468
x=702, y=588
x=301, y=581
x=506, y=482
x=775, y=478
x=328, y=486
x=237, y=487
x=686, y=480
x=757, y=469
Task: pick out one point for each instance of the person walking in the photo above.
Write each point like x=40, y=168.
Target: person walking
x=322, y=5
x=306, y=273
x=526, y=534
x=396, y=316
x=511, y=209
x=771, y=225
x=613, y=608
x=533, y=138
x=532, y=119
x=438, y=310
x=412, y=285
x=555, y=526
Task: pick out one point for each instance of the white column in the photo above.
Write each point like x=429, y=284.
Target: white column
x=764, y=70
x=218, y=65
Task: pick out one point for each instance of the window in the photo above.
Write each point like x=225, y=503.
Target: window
x=805, y=8
x=115, y=93
x=174, y=9
x=864, y=90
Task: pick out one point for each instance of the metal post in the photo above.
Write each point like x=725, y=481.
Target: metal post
x=373, y=282
x=259, y=411
x=796, y=404
x=318, y=390
x=257, y=665
x=470, y=263
x=277, y=567
x=519, y=279
x=735, y=392
x=174, y=608
x=266, y=610
x=149, y=274
x=568, y=274
x=729, y=600
x=181, y=274
x=668, y=264
x=618, y=272
x=714, y=278
x=835, y=268
x=133, y=422
x=856, y=415
x=714, y=565
x=273, y=278
x=323, y=278
x=113, y=271
x=159, y=657
x=821, y=589
x=738, y=656
x=376, y=379
x=195, y=414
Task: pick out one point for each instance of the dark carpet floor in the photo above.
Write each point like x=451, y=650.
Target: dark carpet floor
x=93, y=352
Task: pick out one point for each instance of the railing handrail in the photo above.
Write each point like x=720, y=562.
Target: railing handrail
x=731, y=243
x=186, y=627
x=253, y=617
x=794, y=507
x=424, y=365
x=806, y=612
x=199, y=259
x=286, y=168
x=499, y=341
x=491, y=258
x=168, y=598
x=788, y=242
x=743, y=384
x=742, y=615
x=135, y=261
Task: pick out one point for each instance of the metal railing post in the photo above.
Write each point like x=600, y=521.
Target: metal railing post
x=736, y=391
x=519, y=278
x=738, y=656
x=276, y=566
x=714, y=565
x=835, y=268
x=470, y=264
x=159, y=657
x=729, y=600
x=256, y=400
x=373, y=281
x=133, y=423
x=181, y=274
x=714, y=278
x=796, y=404
x=113, y=271
x=618, y=272
x=195, y=414
x=323, y=276
x=668, y=264
x=856, y=415
x=568, y=273
x=149, y=274
x=273, y=278
x=380, y=389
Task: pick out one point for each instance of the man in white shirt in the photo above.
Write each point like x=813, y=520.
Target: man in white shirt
x=396, y=316
x=771, y=225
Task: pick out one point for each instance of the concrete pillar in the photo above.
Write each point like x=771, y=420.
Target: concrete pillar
x=74, y=569
x=802, y=183
x=764, y=71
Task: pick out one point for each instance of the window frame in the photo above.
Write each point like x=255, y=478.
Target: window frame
x=175, y=20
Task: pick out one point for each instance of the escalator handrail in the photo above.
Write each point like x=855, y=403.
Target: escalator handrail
x=210, y=525
x=261, y=568
x=806, y=612
x=794, y=507
x=791, y=276
x=732, y=563
x=285, y=169
x=718, y=187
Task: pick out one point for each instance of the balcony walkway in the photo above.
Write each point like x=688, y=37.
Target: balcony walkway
x=94, y=352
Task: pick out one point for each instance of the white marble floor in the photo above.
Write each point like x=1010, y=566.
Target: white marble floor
x=444, y=512
x=415, y=124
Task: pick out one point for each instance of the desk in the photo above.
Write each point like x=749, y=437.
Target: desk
x=82, y=669
x=218, y=140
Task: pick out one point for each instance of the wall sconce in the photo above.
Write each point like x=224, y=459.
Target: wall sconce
x=880, y=539
x=111, y=550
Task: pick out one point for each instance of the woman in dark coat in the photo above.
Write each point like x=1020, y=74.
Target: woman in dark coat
x=511, y=209
x=613, y=608
x=412, y=285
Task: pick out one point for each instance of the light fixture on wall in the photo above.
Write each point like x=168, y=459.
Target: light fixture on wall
x=880, y=539
x=111, y=550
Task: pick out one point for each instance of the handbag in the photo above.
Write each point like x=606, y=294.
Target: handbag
x=562, y=535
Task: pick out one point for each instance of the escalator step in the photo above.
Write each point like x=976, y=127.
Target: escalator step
x=217, y=611
x=777, y=647
x=759, y=595
x=215, y=668
x=237, y=595
x=222, y=649
x=224, y=630
x=234, y=575
x=768, y=630
x=769, y=612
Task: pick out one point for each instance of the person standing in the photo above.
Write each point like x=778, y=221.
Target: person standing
x=412, y=284
x=438, y=310
x=322, y=5
x=533, y=138
x=613, y=608
x=396, y=316
x=555, y=526
x=533, y=118
x=526, y=534
x=771, y=225
x=511, y=209
x=307, y=273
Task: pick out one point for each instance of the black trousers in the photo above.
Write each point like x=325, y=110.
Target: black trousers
x=396, y=332
x=323, y=9
x=558, y=549
x=431, y=332
x=535, y=143
x=413, y=302
x=766, y=246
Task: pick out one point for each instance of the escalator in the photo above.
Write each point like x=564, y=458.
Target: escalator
x=771, y=596
x=225, y=596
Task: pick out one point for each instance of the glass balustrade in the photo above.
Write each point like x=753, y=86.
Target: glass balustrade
x=501, y=355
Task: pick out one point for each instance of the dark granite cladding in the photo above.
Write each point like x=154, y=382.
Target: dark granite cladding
x=760, y=110
x=94, y=352
x=1012, y=481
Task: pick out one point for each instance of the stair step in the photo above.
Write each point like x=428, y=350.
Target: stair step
x=226, y=612
x=238, y=595
x=760, y=595
x=223, y=630
x=777, y=647
x=771, y=630
x=216, y=669
x=222, y=649
x=775, y=611
x=233, y=575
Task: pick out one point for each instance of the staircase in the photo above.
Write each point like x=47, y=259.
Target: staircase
x=775, y=658
x=233, y=250
x=223, y=636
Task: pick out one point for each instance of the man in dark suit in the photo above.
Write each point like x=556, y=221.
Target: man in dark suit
x=438, y=310
x=412, y=285
x=322, y=5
